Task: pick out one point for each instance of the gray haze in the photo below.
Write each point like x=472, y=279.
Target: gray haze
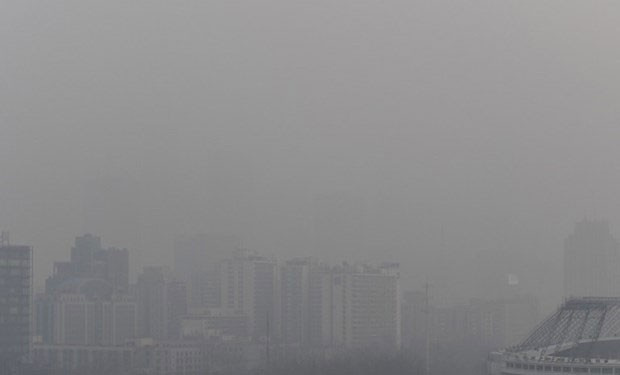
x=447, y=135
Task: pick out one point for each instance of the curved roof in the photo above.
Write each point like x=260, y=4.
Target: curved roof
x=577, y=320
x=607, y=348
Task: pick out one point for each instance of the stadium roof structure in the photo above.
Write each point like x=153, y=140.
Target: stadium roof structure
x=582, y=336
x=578, y=320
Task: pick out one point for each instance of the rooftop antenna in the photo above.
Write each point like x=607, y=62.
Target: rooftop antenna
x=427, y=369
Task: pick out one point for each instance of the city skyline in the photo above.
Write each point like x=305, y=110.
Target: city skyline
x=279, y=309
x=481, y=122
x=318, y=187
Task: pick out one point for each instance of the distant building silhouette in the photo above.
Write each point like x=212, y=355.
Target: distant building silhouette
x=502, y=322
x=480, y=325
x=355, y=307
x=162, y=302
x=197, y=262
x=86, y=300
x=249, y=284
x=87, y=318
x=111, y=207
x=591, y=261
x=15, y=306
x=413, y=321
x=90, y=260
x=296, y=303
x=202, y=322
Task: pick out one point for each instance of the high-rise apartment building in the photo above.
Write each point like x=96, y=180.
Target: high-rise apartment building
x=87, y=299
x=203, y=322
x=354, y=307
x=15, y=304
x=162, y=302
x=413, y=321
x=370, y=301
x=81, y=319
x=501, y=322
x=295, y=291
x=83, y=253
x=90, y=260
x=114, y=265
x=591, y=261
x=197, y=263
x=249, y=284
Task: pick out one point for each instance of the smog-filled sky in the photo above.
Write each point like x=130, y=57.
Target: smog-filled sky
x=456, y=137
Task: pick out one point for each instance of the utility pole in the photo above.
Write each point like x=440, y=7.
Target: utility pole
x=268, y=343
x=427, y=370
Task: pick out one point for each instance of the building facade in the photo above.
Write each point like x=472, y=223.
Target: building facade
x=80, y=320
x=90, y=261
x=162, y=302
x=591, y=261
x=249, y=284
x=15, y=304
x=354, y=307
x=295, y=302
x=205, y=322
x=197, y=261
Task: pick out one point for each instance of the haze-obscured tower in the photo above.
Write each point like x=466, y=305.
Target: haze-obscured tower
x=112, y=208
x=591, y=261
x=295, y=302
x=162, y=302
x=355, y=307
x=89, y=260
x=197, y=263
x=249, y=284
x=413, y=321
x=15, y=309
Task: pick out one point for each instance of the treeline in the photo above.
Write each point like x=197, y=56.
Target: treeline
x=366, y=363
x=446, y=360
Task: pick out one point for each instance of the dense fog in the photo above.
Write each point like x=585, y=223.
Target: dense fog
x=463, y=140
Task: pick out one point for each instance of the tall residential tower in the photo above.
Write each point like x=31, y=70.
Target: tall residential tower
x=15, y=304
x=591, y=261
